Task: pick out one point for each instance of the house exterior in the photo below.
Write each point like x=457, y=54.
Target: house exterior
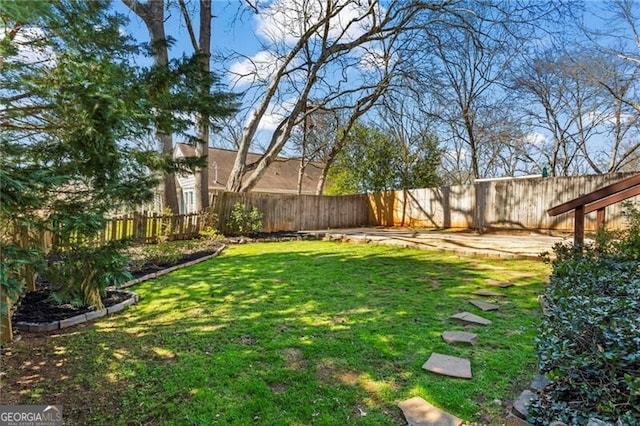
x=280, y=177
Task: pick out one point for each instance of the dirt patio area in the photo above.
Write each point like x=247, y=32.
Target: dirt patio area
x=519, y=245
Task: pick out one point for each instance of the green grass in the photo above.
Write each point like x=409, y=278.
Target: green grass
x=291, y=333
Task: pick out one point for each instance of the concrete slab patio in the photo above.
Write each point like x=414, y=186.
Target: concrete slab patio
x=498, y=245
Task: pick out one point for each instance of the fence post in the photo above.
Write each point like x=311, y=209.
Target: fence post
x=154, y=227
x=28, y=274
x=6, y=333
x=219, y=208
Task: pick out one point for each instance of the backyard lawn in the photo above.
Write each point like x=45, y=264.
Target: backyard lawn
x=289, y=333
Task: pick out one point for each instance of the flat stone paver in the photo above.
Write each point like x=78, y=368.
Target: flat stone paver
x=419, y=412
x=460, y=337
x=470, y=318
x=501, y=284
x=448, y=366
x=539, y=383
x=488, y=293
x=521, y=405
x=484, y=305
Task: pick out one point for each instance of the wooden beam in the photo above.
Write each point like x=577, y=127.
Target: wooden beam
x=595, y=195
x=616, y=198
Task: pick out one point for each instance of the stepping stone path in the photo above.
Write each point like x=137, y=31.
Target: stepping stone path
x=471, y=318
x=488, y=293
x=419, y=412
x=501, y=284
x=484, y=305
x=460, y=337
x=448, y=366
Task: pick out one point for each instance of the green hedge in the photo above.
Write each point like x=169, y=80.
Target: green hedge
x=589, y=343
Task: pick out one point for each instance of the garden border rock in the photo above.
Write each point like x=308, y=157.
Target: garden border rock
x=78, y=319
x=92, y=315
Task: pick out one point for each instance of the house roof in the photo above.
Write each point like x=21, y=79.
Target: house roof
x=281, y=175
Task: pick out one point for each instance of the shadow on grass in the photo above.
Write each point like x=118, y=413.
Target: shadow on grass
x=292, y=333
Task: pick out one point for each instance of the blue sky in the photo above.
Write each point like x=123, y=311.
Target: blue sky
x=236, y=29
x=239, y=33
x=230, y=28
x=233, y=29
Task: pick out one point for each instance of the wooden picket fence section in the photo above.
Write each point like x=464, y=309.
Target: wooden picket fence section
x=150, y=227
x=141, y=227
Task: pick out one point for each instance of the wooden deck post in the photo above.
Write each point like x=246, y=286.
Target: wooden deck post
x=600, y=218
x=578, y=229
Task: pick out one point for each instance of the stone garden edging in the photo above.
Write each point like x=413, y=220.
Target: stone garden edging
x=91, y=315
x=170, y=269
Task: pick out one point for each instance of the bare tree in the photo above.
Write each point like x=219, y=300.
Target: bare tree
x=614, y=41
x=568, y=101
x=465, y=75
x=620, y=121
x=312, y=140
x=347, y=52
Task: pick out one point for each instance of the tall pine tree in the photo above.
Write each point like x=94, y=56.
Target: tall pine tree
x=72, y=108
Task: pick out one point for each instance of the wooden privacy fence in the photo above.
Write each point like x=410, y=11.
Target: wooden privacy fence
x=516, y=204
x=284, y=212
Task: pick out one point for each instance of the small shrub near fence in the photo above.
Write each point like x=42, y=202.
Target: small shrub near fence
x=244, y=220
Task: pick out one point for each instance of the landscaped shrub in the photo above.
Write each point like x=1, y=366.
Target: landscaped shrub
x=244, y=221
x=589, y=343
x=82, y=274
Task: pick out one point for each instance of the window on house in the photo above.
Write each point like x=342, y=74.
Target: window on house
x=187, y=202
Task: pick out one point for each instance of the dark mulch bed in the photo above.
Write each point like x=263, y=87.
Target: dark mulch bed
x=151, y=267
x=38, y=307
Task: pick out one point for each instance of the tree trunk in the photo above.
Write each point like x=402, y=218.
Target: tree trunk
x=205, y=57
x=152, y=14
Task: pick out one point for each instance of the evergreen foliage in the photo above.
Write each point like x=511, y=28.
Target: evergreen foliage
x=75, y=109
x=373, y=160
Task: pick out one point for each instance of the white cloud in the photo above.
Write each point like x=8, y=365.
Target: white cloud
x=259, y=67
x=284, y=21
x=372, y=59
x=274, y=115
x=535, y=138
x=610, y=119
